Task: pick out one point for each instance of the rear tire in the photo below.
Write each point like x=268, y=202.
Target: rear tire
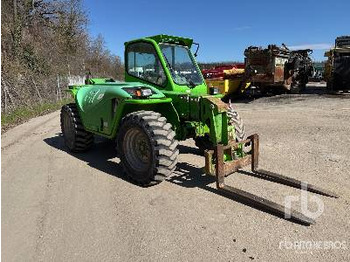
x=76, y=138
x=147, y=147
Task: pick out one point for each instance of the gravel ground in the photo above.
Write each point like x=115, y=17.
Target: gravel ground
x=78, y=207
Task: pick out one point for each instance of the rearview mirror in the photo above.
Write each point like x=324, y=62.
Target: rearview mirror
x=196, y=53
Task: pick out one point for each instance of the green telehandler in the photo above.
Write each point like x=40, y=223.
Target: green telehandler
x=165, y=99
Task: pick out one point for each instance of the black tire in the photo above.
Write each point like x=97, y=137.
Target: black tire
x=234, y=119
x=295, y=88
x=237, y=122
x=298, y=86
x=76, y=138
x=147, y=147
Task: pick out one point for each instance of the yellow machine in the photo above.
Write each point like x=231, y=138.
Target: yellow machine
x=337, y=67
x=233, y=82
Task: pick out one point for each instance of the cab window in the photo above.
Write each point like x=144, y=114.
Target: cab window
x=143, y=62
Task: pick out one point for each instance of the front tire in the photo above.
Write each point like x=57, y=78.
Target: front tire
x=147, y=147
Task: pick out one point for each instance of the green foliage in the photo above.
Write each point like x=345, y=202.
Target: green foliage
x=45, y=44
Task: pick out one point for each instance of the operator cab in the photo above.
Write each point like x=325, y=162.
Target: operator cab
x=164, y=61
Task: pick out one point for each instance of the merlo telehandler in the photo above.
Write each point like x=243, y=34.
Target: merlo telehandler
x=164, y=100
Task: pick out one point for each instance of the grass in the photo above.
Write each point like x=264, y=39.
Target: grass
x=23, y=114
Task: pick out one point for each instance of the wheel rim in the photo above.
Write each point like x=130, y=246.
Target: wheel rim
x=68, y=130
x=137, y=149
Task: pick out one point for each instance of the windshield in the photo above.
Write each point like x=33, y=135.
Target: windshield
x=182, y=68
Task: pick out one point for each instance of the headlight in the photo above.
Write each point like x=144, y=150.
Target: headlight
x=138, y=92
x=143, y=92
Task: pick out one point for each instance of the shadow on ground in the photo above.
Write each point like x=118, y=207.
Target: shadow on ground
x=190, y=176
x=186, y=175
x=98, y=157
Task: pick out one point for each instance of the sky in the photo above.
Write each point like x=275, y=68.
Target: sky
x=223, y=28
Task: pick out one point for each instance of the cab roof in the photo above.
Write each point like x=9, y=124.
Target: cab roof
x=168, y=39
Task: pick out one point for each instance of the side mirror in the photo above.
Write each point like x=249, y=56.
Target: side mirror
x=196, y=52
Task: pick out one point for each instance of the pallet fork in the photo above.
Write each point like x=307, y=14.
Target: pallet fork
x=216, y=165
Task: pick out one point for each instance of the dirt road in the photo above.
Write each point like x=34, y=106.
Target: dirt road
x=78, y=207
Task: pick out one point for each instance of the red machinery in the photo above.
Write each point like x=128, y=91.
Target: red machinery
x=218, y=71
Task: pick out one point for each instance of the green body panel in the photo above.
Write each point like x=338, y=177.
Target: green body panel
x=102, y=106
x=192, y=112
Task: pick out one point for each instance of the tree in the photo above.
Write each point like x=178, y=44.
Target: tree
x=42, y=39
